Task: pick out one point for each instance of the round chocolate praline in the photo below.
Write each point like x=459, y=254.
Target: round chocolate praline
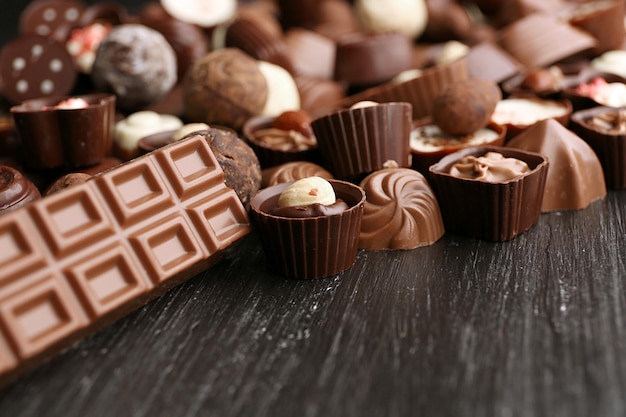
x=137, y=64
x=15, y=189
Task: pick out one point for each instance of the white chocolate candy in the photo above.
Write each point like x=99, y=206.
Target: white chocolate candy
x=189, y=128
x=205, y=13
x=363, y=104
x=611, y=62
x=405, y=16
x=307, y=191
x=130, y=130
x=451, y=51
x=282, y=92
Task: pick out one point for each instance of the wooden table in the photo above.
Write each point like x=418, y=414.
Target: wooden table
x=530, y=327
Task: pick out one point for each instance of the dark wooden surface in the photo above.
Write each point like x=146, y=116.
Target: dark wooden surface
x=530, y=327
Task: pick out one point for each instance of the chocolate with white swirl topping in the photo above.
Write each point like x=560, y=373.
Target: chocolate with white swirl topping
x=401, y=211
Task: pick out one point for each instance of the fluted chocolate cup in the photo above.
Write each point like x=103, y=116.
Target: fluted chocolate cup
x=607, y=139
x=70, y=138
x=485, y=210
x=272, y=156
x=313, y=247
x=354, y=142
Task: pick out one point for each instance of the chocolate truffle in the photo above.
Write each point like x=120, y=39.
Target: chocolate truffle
x=407, y=17
x=309, y=247
x=15, y=189
x=400, y=212
x=575, y=177
x=242, y=171
x=494, y=202
x=137, y=64
x=66, y=181
x=465, y=106
x=130, y=130
x=225, y=87
x=187, y=40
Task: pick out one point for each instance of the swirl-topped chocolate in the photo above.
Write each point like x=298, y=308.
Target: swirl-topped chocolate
x=400, y=212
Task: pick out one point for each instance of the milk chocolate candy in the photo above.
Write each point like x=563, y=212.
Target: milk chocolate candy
x=318, y=96
x=419, y=91
x=49, y=18
x=400, y=211
x=366, y=59
x=488, y=61
x=604, y=20
x=313, y=247
x=77, y=260
x=357, y=141
x=252, y=38
x=575, y=178
x=540, y=39
x=292, y=171
x=496, y=211
x=59, y=137
x=32, y=66
x=311, y=54
x=604, y=129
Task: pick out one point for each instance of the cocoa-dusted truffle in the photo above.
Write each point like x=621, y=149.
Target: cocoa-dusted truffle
x=465, y=106
x=136, y=63
x=15, y=189
x=225, y=87
x=187, y=40
x=400, y=212
x=242, y=171
x=67, y=181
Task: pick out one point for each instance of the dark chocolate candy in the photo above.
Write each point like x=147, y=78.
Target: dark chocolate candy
x=312, y=247
x=50, y=18
x=53, y=138
x=33, y=66
x=15, y=189
x=365, y=59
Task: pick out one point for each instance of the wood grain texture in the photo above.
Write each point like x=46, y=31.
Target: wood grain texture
x=529, y=327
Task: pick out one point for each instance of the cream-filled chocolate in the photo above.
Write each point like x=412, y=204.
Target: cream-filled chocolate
x=491, y=167
x=284, y=140
x=430, y=138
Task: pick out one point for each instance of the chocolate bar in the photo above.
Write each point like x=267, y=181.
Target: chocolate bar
x=75, y=261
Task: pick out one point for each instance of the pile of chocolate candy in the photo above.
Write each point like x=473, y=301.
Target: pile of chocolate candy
x=335, y=125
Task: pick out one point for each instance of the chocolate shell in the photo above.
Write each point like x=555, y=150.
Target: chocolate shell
x=575, y=178
x=314, y=247
x=358, y=141
x=400, y=212
x=604, y=129
x=539, y=39
x=70, y=138
x=487, y=210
